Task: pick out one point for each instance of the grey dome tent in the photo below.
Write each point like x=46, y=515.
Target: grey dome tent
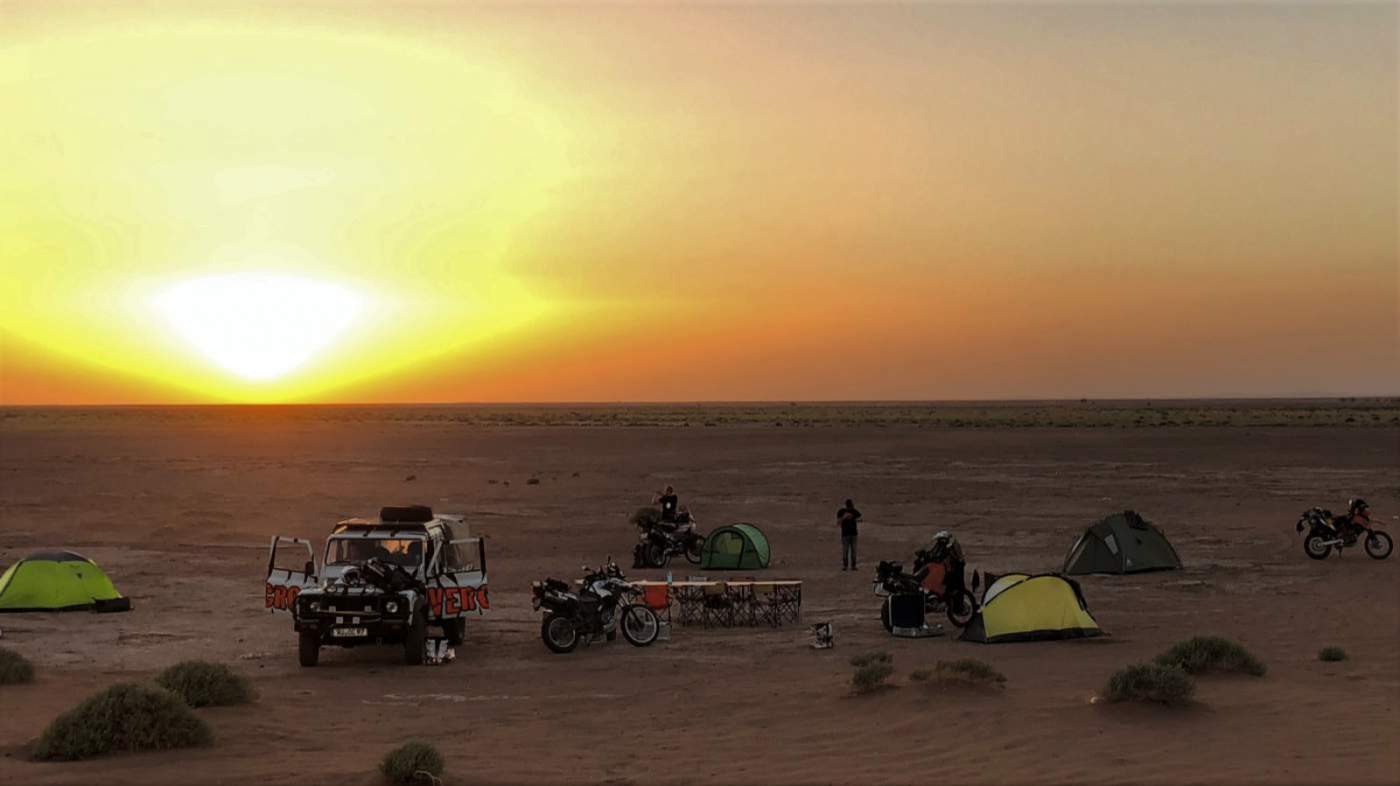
x=1122, y=543
x=735, y=547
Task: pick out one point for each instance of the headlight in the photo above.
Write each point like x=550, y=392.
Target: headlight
x=391, y=607
x=314, y=605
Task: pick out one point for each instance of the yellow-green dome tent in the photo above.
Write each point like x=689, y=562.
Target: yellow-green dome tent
x=58, y=581
x=1018, y=607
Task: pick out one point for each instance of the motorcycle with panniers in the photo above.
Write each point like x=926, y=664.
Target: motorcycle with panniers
x=601, y=607
x=1326, y=532
x=658, y=541
x=938, y=575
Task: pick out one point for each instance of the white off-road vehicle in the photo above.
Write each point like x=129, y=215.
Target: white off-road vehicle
x=382, y=581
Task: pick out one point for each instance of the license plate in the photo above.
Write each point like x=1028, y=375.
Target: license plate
x=349, y=633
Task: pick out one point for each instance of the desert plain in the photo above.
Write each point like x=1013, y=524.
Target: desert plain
x=178, y=505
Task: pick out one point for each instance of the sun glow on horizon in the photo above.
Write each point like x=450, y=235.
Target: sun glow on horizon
x=468, y=202
x=233, y=212
x=259, y=326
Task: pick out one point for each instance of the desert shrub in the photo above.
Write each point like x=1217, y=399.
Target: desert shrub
x=122, y=718
x=1329, y=654
x=1150, y=682
x=967, y=671
x=413, y=762
x=646, y=517
x=14, y=668
x=1203, y=654
x=871, y=671
x=920, y=675
x=204, y=684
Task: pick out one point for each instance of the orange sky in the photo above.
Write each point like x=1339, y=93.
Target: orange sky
x=591, y=203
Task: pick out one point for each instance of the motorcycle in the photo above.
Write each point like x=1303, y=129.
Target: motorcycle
x=600, y=607
x=944, y=592
x=659, y=542
x=1325, y=532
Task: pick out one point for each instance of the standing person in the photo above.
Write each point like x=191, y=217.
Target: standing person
x=848, y=517
x=669, y=503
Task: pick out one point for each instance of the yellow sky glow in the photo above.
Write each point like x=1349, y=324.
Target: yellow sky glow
x=387, y=202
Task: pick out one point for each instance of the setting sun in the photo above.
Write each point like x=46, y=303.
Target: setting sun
x=258, y=325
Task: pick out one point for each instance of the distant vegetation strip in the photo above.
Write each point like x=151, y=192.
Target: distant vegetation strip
x=1357, y=413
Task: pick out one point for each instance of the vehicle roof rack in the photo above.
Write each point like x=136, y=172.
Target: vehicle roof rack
x=404, y=514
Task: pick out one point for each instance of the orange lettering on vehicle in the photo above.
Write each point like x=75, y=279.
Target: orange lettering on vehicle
x=276, y=596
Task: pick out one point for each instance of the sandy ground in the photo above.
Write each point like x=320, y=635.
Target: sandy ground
x=178, y=510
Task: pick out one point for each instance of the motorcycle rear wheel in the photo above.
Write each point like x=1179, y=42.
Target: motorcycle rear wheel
x=559, y=633
x=1378, y=545
x=655, y=555
x=639, y=625
x=693, y=550
x=1315, y=546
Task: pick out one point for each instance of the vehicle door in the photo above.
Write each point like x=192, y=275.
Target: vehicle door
x=457, y=579
x=291, y=568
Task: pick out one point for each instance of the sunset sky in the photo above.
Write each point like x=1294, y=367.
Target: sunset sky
x=394, y=202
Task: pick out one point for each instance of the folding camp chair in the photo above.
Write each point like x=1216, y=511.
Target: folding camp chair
x=764, y=608
x=787, y=600
x=657, y=597
x=690, y=604
x=718, y=607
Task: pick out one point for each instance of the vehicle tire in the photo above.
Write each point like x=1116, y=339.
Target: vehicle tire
x=1315, y=546
x=415, y=639
x=559, y=633
x=655, y=555
x=639, y=625
x=961, y=610
x=455, y=631
x=885, y=616
x=694, y=550
x=1378, y=545
x=309, y=648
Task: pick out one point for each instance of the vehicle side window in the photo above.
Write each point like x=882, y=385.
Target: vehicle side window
x=459, y=557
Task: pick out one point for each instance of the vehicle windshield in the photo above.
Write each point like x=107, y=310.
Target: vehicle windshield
x=404, y=552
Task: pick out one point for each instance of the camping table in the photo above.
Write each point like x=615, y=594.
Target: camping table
x=784, y=601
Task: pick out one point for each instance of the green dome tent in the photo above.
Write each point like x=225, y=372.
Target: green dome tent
x=58, y=581
x=735, y=547
x=1122, y=543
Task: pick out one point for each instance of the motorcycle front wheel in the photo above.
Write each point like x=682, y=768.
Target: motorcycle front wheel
x=885, y=616
x=1315, y=546
x=639, y=625
x=961, y=610
x=559, y=633
x=1378, y=545
x=693, y=550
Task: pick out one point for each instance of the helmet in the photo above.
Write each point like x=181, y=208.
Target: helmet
x=942, y=534
x=1356, y=504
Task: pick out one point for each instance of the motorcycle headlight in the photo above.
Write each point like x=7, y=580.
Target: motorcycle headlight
x=314, y=605
x=391, y=607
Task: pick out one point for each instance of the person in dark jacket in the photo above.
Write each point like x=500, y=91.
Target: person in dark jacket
x=669, y=502
x=848, y=517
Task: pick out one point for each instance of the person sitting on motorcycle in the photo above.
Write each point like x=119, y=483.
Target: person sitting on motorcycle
x=947, y=555
x=1357, y=519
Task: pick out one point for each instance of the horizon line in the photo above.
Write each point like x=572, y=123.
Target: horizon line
x=726, y=402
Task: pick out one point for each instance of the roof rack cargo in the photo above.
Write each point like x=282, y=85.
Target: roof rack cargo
x=406, y=514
